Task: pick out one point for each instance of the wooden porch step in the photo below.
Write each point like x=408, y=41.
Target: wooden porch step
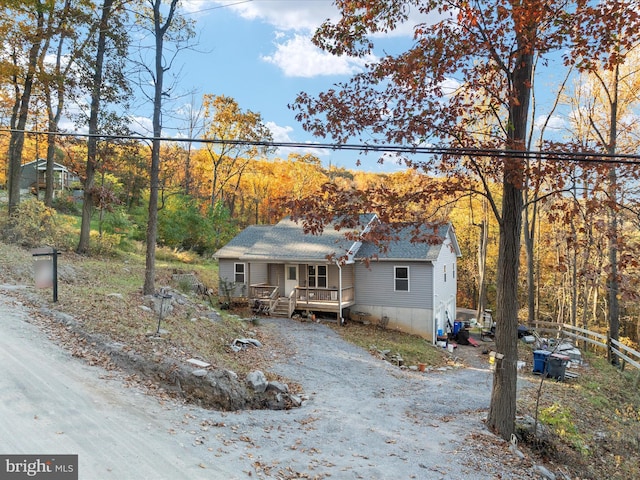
x=278, y=312
x=282, y=309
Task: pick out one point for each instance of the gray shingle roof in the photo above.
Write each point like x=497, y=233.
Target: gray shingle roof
x=287, y=241
x=405, y=249
x=284, y=241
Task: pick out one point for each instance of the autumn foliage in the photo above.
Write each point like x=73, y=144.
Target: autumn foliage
x=464, y=85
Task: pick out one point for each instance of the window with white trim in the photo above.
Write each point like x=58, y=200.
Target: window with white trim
x=239, y=272
x=318, y=276
x=401, y=279
x=445, y=273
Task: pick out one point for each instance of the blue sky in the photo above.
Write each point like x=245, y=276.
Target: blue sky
x=259, y=52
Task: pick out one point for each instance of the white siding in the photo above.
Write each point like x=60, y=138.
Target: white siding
x=225, y=270
x=445, y=291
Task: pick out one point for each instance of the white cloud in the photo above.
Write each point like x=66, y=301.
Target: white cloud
x=281, y=134
x=298, y=57
x=67, y=125
x=194, y=6
x=392, y=161
x=306, y=16
x=141, y=125
x=555, y=122
x=286, y=14
x=450, y=86
x=295, y=22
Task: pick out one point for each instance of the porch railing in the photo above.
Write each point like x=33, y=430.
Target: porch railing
x=266, y=294
x=324, y=295
x=262, y=290
x=299, y=297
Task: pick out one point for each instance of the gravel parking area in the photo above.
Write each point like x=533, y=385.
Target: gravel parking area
x=361, y=418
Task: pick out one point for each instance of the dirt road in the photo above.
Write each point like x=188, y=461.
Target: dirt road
x=363, y=417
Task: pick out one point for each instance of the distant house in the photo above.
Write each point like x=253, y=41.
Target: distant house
x=33, y=175
x=279, y=268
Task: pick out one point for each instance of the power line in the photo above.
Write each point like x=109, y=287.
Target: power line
x=217, y=7
x=565, y=156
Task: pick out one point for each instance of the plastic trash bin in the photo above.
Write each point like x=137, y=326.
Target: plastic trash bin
x=557, y=365
x=540, y=358
x=457, y=326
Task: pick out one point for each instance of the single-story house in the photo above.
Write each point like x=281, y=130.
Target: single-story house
x=33, y=175
x=410, y=286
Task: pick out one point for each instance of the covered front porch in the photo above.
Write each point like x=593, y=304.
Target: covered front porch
x=303, y=287
x=266, y=299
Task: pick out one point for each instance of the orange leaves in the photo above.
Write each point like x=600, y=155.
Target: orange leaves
x=603, y=33
x=468, y=16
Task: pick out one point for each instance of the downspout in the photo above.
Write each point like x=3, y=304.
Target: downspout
x=433, y=327
x=434, y=321
x=340, y=319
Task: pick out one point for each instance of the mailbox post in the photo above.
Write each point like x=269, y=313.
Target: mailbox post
x=162, y=307
x=46, y=270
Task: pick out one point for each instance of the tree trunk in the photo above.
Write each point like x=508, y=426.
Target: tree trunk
x=19, y=117
x=482, y=264
x=502, y=412
x=529, y=242
x=613, y=285
x=152, y=223
x=574, y=277
x=92, y=142
x=54, y=116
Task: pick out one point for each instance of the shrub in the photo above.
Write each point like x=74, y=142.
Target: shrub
x=139, y=216
x=118, y=222
x=104, y=244
x=184, y=223
x=66, y=203
x=34, y=225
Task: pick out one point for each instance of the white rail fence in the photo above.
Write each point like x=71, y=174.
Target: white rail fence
x=613, y=347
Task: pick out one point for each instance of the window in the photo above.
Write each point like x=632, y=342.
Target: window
x=312, y=275
x=292, y=272
x=445, y=272
x=318, y=276
x=401, y=279
x=239, y=272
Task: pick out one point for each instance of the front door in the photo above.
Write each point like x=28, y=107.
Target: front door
x=290, y=278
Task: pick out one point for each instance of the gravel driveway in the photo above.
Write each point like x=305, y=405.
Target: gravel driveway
x=363, y=418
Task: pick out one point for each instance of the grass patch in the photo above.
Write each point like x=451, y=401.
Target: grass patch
x=561, y=419
x=412, y=348
x=104, y=294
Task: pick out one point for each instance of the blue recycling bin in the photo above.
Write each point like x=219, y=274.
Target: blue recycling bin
x=540, y=358
x=457, y=326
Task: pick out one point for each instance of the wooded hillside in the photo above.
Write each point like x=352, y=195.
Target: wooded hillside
x=571, y=264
